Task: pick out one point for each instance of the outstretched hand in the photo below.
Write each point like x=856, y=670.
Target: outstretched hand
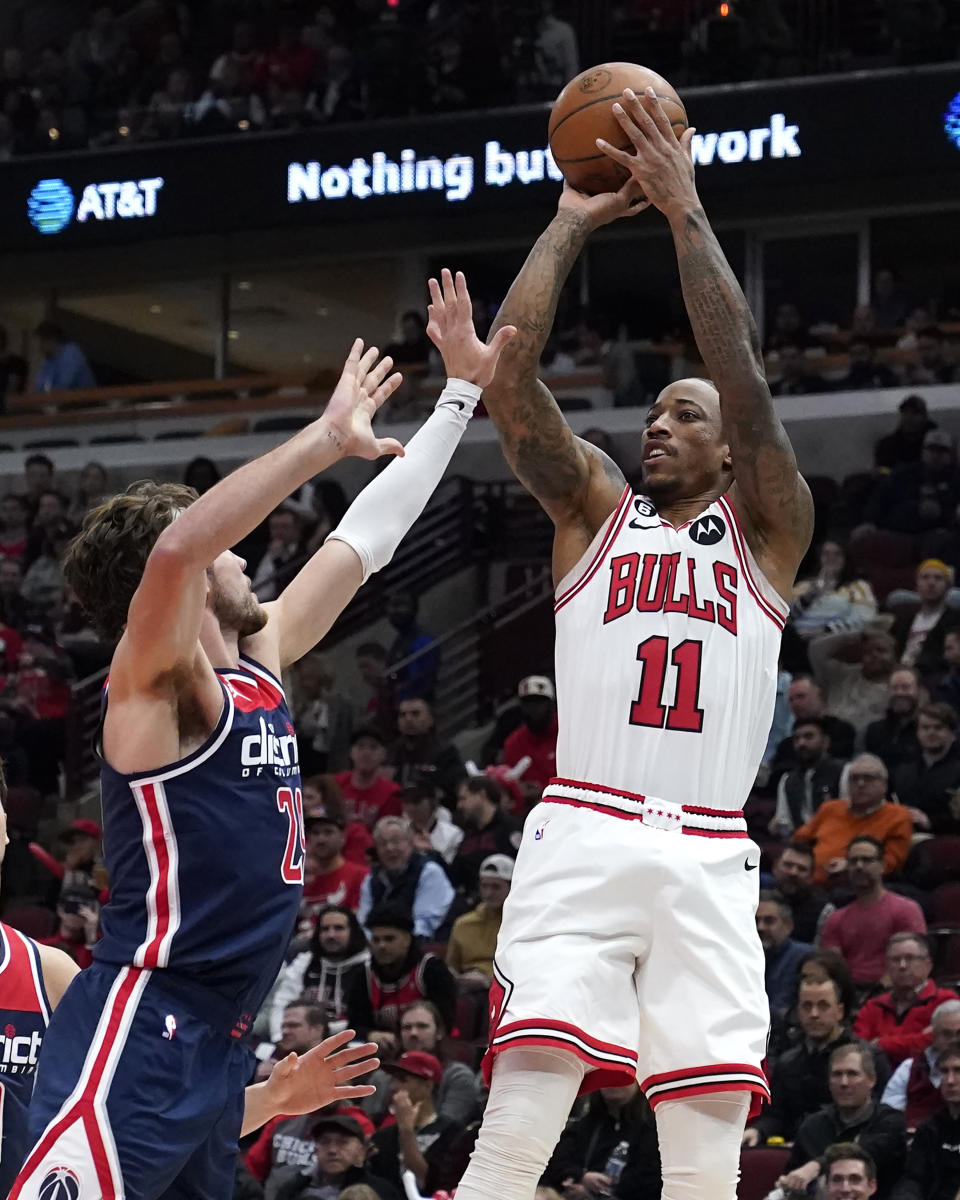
x=660, y=164
x=363, y=387
x=605, y=206
x=451, y=330
x=321, y=1076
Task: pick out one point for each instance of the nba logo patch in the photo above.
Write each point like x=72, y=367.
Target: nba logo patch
x=170, y=1027
x=60, y=1183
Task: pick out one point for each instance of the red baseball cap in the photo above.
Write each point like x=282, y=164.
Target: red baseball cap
x=417, y=1062
x=81, y=825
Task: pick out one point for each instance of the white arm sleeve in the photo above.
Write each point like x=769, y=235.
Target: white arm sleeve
x=378, y=520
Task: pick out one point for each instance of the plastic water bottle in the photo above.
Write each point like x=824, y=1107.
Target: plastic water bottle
x=616, y=1162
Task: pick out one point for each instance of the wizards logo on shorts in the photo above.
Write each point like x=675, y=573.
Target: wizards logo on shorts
x=59, y=1184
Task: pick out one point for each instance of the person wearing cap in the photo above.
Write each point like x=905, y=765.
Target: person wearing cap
x=928, y=785
x=434, y=832
x=341, y=1147
x=322, y=792
x=487, y=830
x=473, y=939
x=536, y=736
x=329, y=878
x=367, y=795
x=904, y=444
x=920, y=496
x=400, y=973
x=919, y=633
x=418, y=1139
x=405, y=877
x=418, y=754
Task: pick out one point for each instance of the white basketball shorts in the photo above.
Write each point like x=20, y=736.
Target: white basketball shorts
x=629, y=939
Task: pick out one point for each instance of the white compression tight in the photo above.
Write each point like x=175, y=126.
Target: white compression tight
x=531, y=1095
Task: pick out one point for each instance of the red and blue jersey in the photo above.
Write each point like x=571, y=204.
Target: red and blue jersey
x=24, y=1015
x=205, y=856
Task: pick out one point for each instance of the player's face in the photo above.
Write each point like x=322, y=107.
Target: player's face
x=418, y=1030
x=682, y=445
x=850, y=1085
x=908, y=964
x=793, y=872
x=334, y=933
x=818, y=1010
x=337, y=1152
x=233, y=603
x=848, y=1181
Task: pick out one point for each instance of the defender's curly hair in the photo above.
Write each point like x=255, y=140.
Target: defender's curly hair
x=105, y=561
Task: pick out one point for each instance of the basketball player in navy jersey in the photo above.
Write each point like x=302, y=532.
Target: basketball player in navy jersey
x=141, y=1092
x=628, y=947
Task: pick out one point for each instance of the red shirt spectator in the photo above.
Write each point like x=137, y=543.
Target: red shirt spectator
x=861, y=932
x=367, y=795
x=898, y=1021
x=536, y=736
x=339, y=886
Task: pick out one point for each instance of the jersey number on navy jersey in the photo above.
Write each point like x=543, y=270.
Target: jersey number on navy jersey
x=290, y=801
x=684, y=715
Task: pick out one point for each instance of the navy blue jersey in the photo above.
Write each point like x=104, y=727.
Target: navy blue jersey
x=24, y=1015
x=205, y=856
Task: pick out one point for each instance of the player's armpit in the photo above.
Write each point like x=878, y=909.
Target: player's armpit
x=311, y=603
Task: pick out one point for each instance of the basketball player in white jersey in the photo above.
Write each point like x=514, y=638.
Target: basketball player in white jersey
x=628, y=946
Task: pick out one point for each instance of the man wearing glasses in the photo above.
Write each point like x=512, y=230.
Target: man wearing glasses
x=862, y=930
x=899, y=1021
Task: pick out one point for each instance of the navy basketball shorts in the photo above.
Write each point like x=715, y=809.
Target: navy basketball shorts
x=136, y=1097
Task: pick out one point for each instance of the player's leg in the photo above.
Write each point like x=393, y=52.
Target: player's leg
x=531, y=1094
x=700, y=1145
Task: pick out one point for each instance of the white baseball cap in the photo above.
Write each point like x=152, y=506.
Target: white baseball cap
x=536, y=685
x=497, y=866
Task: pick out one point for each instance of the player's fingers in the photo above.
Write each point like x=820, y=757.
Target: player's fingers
x=365, y=363
x=436, y=296
x=686, y=140
x=654, y=109
x=387, y=388
x=502, y=338
x=628, y=125
x=449, y=291
x=463, y=295
x=378, y=374
x=630, y=104
x=389, y=446
x=355, y=1070
x=356, y=1092
x=621, y=156
x=351, y=1054
x=335, y=1042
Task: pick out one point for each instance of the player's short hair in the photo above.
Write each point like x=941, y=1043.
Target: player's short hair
x=105, y=561
x=850, y=1152
x=942, y=713
x=905, y=936
x=772, y=896
x=863, y=1051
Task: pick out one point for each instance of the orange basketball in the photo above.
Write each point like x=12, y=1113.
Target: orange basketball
x=584, y=111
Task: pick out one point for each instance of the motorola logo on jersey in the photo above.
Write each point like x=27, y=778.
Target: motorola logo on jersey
x=707, y=531
x=658, y=583
x=59, y=1184
x=265, y=749
x=19, y=1054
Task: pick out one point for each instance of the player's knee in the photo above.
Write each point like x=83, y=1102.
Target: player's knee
x=700, y=1145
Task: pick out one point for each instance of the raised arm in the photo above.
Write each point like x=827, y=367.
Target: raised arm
x=768, y=489
x=575, y=483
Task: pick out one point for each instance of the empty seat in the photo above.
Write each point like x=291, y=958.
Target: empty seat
x=759, y=1171
x=945, y=904
x=934, y=861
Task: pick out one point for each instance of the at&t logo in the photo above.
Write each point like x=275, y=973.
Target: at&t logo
x=951, y=121
x=50, y=207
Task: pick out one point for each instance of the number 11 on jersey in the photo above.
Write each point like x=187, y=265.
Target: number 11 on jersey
x=649, y=709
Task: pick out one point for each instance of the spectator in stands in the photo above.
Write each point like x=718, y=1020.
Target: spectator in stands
x=282, y=1152
x=229, y=104
x=798, y=1082
x=201, y=474
x=487, y=830
x=367, y=794
x=866, y=813
x=947, y=687
x=914, y=1087
x=419, y=1139
x=850, y=1172
x=888, y=302
x=805, y=699
x=836, y=600
x=920, y=635
x=535, y=737
x=78, y=928
x=49, y=513
x=433, y=830
x=341, y=1149
x=919, y=496
x=782, y=953
x=864, y=371
x=931, y=362
x=422, y=1031
x=404, y=877
x=326, y=972
x=43, y=586
x=170, y=111
x=862, y=929
x=473, y=939
x=371, y=660
x=91, y=490
x=609, y=1150
x=928, y=785
x=894, y=738
x=322, y=792
x=815, y=778
x=418, y=678
x=555, y=50
x=284, y=554
x=289, y=63
x=418, y=754
x=855, y=691
x=13, y=607
x=898, y=1021
x=852, y=1116
x=796, y=374
x=65, y=365
x=330, y=878
x=324, y=719
x=789, y=328
x=13, y=371
x=809, y=905
x=14, y=527
x=399, y=974
x=303, y=1026
x=341, y=94
x=904, y=444
x=933, y=1163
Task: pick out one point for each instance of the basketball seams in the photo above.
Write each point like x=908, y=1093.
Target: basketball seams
x=600, y=100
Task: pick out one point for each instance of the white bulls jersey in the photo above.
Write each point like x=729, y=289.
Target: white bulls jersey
x=666, y=658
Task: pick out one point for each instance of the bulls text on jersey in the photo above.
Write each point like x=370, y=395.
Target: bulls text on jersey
x=651, y=583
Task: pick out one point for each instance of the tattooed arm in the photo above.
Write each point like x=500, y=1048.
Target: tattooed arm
x=576, y=484
x=769, y=491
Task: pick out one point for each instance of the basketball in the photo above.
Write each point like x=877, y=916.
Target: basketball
x=583, y=112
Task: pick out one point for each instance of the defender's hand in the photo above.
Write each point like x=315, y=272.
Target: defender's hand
x=321, y=1076
x=660, y=164
x=363, y=387
x=605, y=207
x=451, y=330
